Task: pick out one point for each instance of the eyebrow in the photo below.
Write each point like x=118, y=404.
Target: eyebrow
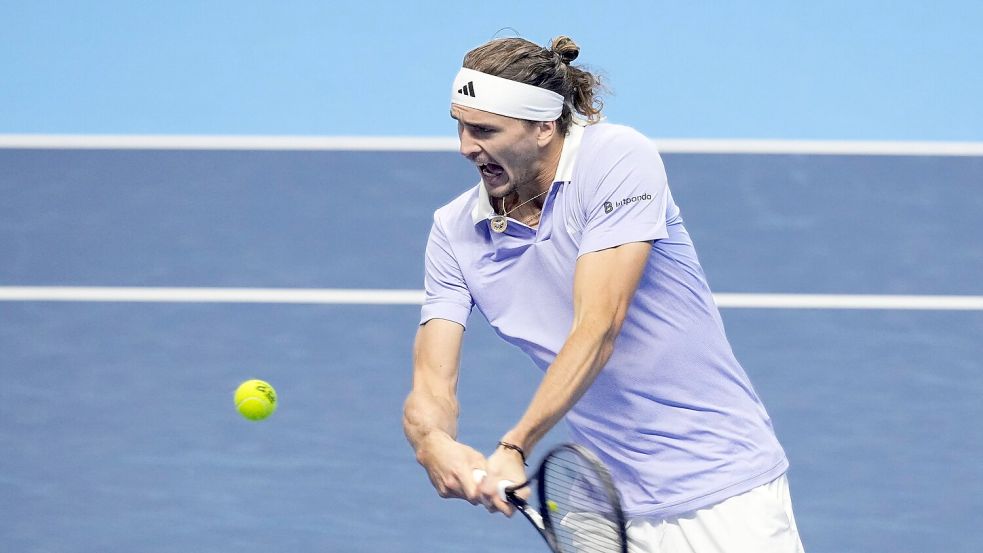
x=491, y=126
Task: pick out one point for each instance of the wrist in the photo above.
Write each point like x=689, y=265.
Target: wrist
x=430, y=442
x=515, y=449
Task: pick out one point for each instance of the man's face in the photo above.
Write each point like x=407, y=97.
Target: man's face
x=504, y=150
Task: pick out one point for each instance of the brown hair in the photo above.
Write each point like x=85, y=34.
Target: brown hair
x=520, y=60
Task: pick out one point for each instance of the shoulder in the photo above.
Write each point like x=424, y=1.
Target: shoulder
x=605, y=138
x=610, y=152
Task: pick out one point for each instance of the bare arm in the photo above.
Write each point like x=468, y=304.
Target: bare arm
x=604, y=284
x=431, y=410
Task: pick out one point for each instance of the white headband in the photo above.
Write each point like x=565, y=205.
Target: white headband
x=478, y=90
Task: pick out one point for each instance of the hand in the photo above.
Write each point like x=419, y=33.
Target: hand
x=504, y=464
x=450, y=466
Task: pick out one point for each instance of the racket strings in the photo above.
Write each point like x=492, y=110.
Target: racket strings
x=579, y=505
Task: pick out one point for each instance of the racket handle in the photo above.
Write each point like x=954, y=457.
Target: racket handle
x=479, y=475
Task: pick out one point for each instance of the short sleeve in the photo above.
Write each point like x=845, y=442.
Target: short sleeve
x=624, y=191
x=447, y=295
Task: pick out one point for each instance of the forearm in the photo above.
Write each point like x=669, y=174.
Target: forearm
x=604, y=284
x=586, y=351
x=431, y=408
x=427, y=416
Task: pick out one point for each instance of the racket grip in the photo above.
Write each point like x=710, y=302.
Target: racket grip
x=479, y=475
x=502, y=485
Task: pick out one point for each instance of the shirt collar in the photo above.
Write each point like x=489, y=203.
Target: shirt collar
x=564, y=172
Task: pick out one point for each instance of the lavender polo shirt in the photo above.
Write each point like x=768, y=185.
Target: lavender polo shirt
x=672, y=414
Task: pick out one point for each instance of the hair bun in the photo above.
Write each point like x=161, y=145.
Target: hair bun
x=566, y=48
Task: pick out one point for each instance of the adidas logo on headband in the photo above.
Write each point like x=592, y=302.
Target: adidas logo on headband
x=468, y=89
x=505, y=97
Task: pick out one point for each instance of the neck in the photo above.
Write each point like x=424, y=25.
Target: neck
x=543, y=179
x=551, y=160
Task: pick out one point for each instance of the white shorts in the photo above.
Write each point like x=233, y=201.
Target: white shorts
x=757, y=521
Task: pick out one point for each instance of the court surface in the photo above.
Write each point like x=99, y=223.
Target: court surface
x=116, y=418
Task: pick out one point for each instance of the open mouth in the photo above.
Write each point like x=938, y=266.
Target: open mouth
x=490, y=170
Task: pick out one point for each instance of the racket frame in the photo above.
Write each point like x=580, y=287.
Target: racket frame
x=542, y=519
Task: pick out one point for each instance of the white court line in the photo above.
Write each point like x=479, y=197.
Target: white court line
x=820, y=147
x=211, y=295
x=450, y=144
x=847, y=301
x=207, y=142
x=415, y=297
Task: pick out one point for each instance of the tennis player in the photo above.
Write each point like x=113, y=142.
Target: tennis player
x=572, y=247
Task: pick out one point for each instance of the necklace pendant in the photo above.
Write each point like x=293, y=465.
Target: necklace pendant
x=498, y=223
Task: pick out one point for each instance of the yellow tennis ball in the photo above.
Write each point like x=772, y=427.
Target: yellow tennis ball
x=255, y=399
x=552, y=506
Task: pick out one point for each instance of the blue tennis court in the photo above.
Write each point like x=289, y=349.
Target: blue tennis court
x=117, y=423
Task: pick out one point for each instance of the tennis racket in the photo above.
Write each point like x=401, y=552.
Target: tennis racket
x=578, y=509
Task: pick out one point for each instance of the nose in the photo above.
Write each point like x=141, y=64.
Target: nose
x=469, y=148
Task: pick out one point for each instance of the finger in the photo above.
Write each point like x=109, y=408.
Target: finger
x=489, y=495
x=503, y=489
x=439, y=486
x=496, y=502
x=477, y=478
x=494, y=498
x=452, y=486
x=504, y=507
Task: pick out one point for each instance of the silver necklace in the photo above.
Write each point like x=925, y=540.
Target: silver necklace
x=500, y=222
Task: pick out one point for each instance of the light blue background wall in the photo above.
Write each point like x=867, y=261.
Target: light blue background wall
x=903, y=70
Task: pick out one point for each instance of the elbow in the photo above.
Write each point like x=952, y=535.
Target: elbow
x=610, y=326
x=602, y=332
